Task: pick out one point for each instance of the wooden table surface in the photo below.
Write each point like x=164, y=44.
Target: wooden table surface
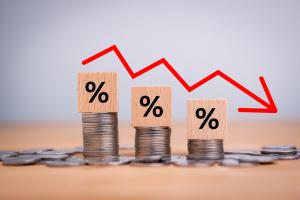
x=278, y=181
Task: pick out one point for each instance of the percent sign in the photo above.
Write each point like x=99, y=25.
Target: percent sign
x=92, y=88
x=156, y=110
x=213, y=123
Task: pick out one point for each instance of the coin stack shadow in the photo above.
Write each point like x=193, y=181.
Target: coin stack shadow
x=200, y=149
x=100, y=135
x=152, y=144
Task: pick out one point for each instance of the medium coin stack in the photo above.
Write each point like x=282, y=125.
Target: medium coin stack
x=152, y=144
x=100, y=135
x=200, y=149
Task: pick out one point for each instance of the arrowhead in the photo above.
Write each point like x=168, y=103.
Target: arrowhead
x=269, y=107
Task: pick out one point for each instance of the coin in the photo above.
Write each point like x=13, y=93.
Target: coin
x=282, y=147
x=199, y=149
x=100, y=135
x=34, y=151
x=286, y=157
x=230, y=162
x=279, y=151
x=16, y=161
x=54, y=157
x=75, y=159
x=52, y=152
x=244, y=151
x=152, y=144
x=63, y=163
x=6, y=154
x=192, y=163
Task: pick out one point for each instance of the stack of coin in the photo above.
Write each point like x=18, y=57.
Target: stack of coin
x=200, y=149
x=281, y=152
x=100, y=135
x=152, y=144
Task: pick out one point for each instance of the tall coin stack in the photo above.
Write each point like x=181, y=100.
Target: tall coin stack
x=100, y=135
x=205, y=149
x=152, y=143
x=97, y=101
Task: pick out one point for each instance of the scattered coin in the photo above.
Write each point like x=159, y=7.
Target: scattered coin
x=75, y=159
x=244, y=151
x=15, y=161
x=261, y=159
x=230, y=162
x=286, y=157
x=192, y=163
x=53, y=157
x=34, y=151
x=63, y=163
x=63, y=158
x=279, y=151
x=52, y=152
x=6, y=154
x=282, y=147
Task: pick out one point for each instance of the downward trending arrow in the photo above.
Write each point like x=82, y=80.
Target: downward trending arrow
x=268, y=107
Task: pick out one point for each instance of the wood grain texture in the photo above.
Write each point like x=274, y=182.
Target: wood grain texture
x=220, y=113
x=279, y=181
x=164, y=101
x=110, y=87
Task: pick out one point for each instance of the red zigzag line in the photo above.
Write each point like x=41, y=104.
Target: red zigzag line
x=188, y=87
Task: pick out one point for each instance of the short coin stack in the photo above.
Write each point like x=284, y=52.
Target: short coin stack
x=100, y=135
x=152, y=144
x=200, y=149
x=284, y=152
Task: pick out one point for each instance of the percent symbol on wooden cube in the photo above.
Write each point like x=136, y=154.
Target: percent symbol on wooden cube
x=207, y=118
x=213, y=123
x=97, y=92
x=151, y=106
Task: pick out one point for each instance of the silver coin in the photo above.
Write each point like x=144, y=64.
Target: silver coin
x=190, y=163
x=51, y=152
x=63, y=163
x=279, y=151
x=122, y=161
x=34, y=151
x=75, y=159
x=16, y=161
x=282, y=147
x=6, y=154
x=230, y=162
x=286, y=157
x=53, y=157
x=244, y=151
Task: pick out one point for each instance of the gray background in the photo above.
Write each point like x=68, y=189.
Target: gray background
x=43, y=43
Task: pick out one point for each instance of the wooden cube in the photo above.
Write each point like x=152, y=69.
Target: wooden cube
x=97, y=92
x=199, y=121
x=143, y=114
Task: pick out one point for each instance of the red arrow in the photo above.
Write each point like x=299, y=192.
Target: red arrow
x=268, y=107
